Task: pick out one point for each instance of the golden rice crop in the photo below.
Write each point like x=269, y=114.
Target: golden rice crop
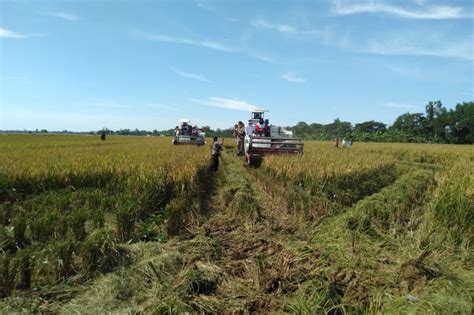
x=348, y=175
x=323, y=159
x=63, y=156
x=58, y=194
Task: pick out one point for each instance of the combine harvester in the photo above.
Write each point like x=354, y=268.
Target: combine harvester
x=186, y=134
x=272, y=140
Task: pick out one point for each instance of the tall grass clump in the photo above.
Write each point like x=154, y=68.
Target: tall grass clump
x=450, y=214
x=394, y=209
x=100, y=251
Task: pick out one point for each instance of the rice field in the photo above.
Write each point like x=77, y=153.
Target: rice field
x=374, y=228
x=68, y=201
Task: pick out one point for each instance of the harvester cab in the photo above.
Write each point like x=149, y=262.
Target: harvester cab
x=267, y=139
x=185, y=133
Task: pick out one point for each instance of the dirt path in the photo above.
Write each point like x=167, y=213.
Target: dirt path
x=248, y=237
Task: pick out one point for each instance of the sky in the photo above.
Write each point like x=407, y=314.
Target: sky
x=85, y=65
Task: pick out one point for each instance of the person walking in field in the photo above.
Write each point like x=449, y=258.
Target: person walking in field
x=240, y=138
x=216, y=153
x=337, y=142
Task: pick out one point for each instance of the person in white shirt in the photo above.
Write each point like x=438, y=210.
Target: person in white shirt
x=250, y=129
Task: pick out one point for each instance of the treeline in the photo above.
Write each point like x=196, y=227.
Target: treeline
x=436, y=125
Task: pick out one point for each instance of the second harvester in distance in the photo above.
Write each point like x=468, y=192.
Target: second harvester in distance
x=187, y=134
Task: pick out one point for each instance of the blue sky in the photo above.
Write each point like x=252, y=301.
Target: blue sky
x=82, y=65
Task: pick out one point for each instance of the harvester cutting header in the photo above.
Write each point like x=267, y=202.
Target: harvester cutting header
x=263, y=139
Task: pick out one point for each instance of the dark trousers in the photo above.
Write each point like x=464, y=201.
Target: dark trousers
x=215, y=162
x=240, y=146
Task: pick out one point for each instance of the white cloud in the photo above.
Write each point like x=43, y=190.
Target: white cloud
x=412, y=42
x=165, y=107
x=185, y=41
x=227, y=103
x=194, y=76
x=402, y=42
x=4, y=33
x=397, y=105
x=64, y=16
x=291, y=29
x=262, y=58
x=204, y=4
x=426, y=12
x=282, y=28
x=293, y=78
x=403, y=45
x=413, y=71
x=201, y=43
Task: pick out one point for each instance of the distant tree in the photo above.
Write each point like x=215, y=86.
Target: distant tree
x=412, y=124
x=338, y=129
x=301, y=129
x=438, y=124
x=434, y=123
x=370, y=126
x=461, y=123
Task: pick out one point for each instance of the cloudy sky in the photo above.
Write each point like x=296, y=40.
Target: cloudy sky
x=82, y=65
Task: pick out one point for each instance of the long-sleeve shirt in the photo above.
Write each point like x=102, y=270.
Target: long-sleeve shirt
x=241, y=133
x=250, y=130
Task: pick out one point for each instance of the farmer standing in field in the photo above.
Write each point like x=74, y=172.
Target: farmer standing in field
x=240, y=138
x=234, y=132
x=250, y=129
x=216, y=153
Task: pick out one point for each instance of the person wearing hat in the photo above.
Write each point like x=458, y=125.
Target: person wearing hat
x=250, y=129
